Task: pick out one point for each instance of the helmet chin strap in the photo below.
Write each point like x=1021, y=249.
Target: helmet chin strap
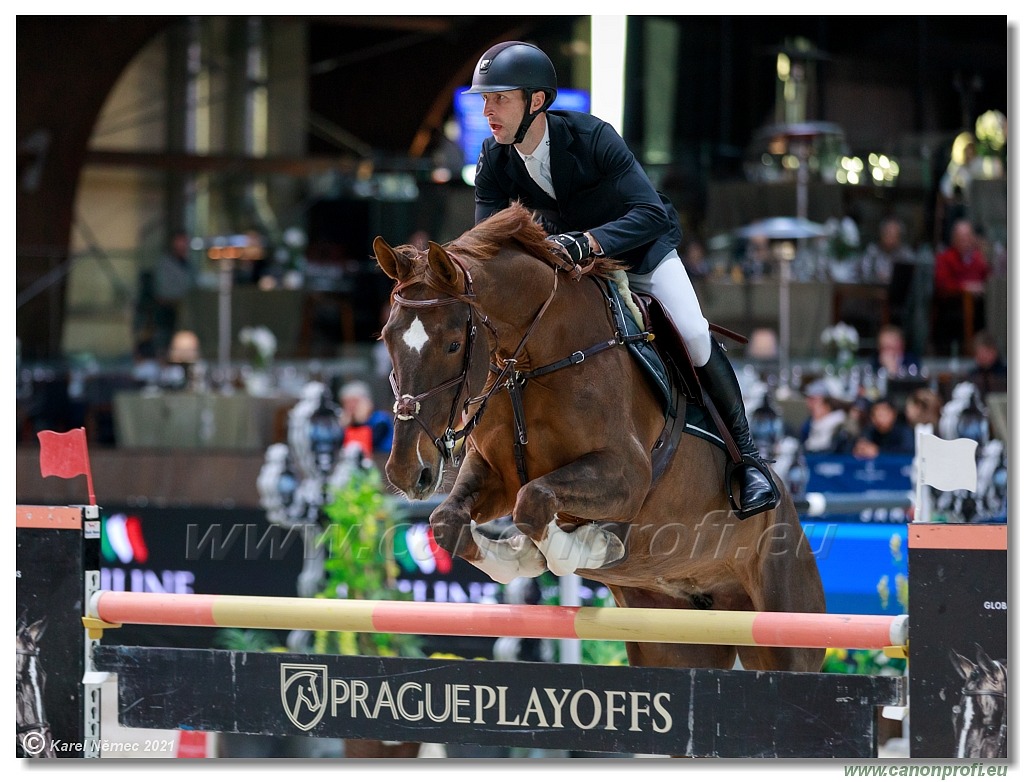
x=524, y=126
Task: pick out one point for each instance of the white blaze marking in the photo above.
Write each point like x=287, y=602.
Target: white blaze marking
x=416, y=337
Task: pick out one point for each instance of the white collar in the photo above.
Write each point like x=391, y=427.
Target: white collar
x=543, y=151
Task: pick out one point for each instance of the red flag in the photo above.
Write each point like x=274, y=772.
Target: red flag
x=65, y=455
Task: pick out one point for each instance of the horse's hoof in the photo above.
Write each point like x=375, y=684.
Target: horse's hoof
x=588, y=547
x=510, y=556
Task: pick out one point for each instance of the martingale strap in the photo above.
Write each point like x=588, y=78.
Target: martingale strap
x=517, y=382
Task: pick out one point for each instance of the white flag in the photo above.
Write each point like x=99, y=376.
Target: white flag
x=947, y=465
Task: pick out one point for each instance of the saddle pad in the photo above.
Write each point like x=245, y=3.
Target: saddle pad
x=698, y=422
x=643, y=351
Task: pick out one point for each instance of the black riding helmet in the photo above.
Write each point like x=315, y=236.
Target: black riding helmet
x=514, y=65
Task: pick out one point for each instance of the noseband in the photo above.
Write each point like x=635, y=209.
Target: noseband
x=1001, y=736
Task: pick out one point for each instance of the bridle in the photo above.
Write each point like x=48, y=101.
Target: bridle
x=31, y=727
x=407, y=406
x=995, y=694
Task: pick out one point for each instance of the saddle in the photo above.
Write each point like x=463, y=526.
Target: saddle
x=701, y=417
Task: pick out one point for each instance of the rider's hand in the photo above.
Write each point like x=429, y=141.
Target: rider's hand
x=575, y=244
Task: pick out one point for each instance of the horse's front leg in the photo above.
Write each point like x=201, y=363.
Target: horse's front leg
x=479, y=496
x=597, y=486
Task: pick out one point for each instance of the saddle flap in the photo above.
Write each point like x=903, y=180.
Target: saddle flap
x=669, y=344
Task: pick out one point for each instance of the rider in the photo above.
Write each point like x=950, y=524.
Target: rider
x=589, y=191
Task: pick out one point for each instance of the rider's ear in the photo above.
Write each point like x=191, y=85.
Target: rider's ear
x=443, y=267
x=395, y=265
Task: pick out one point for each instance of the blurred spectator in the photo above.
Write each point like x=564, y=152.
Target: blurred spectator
x=961, y=268
x=819, y=433
x=757, y=260
x=419, y=239
x=886, y=433
x=891, y=353
x=372, y=428
x=172, y=280
x=892, y=262
x=856, y=423
x=763, y=345
x=695, y=259
x=989, y=373
x=923, y=406
x=381, y=359
x=955, y=186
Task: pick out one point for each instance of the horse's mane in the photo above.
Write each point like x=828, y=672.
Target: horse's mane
x=514, y=223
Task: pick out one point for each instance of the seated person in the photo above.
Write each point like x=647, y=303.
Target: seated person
x=891, y=261
x=826, y=415
x=923, y=406
x=989, y=373
x=891, y=353
x=886, y=433
x=960, y=268
x=363, y=423
x=856, y=423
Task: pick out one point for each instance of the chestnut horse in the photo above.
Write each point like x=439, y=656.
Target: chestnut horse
x=507, y=359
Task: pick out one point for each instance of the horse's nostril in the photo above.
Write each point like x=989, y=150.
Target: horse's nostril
x=426, y=478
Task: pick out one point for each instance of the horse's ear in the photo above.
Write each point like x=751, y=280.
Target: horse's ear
x=443, y=267
x=395, y=265
x=984, y=660
x=961, y=663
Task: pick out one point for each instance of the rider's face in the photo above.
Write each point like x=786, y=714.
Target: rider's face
x=504, y=111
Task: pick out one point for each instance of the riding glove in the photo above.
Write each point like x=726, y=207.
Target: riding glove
x=575, y=243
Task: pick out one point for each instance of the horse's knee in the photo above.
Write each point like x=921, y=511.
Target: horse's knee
x=536, y=506
x=450, y=529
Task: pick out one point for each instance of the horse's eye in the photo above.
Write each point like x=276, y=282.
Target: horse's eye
x=454, y=347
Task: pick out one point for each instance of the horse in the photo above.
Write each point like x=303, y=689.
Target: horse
x=34, y=739
x=979, y=720
x=581, y=451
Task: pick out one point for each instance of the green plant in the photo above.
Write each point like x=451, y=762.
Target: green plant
x=869, y=662
x=360, y=563
x=247, y=640
x=603, y=653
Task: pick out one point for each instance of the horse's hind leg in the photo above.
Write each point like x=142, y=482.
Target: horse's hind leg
x=789, y=581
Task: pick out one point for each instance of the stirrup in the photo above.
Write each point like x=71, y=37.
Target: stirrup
x=761, y=467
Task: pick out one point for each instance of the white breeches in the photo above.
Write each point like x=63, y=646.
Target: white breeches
x=670, y=284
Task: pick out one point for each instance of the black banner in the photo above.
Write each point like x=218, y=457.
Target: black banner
x=701, y=713
x=958, y=650
x=50, y=637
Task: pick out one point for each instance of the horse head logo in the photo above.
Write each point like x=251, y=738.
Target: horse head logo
x=304, y=693
x=33, y=727
x=979, y=720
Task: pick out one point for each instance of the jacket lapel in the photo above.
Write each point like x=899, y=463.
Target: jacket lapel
x=563, y=159
x=516, y=169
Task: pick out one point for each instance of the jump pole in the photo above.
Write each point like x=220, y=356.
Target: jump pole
x=107, y=609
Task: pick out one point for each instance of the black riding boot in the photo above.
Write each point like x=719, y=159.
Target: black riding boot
x=758, y=491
